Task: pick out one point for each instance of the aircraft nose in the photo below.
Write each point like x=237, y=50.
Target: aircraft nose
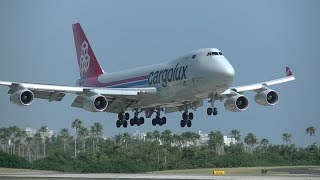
x=227, y=70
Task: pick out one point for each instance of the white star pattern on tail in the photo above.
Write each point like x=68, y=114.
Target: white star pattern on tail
x=84, y=58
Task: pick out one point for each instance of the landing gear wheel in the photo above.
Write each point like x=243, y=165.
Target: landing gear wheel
x=125, y=124
x=209, y=111
x=154, y=122
x=132, y=122
x=184, y=116
x=215, y=111
x=182, y=123
x=189, y=123
x=159, y=121
x=141, y=120
x=164, y=120
x=120, y=116
x=191, y=116
x=118, y=123
x=126, y=116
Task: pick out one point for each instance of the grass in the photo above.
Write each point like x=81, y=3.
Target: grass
x=13, y=170
x=236, y=171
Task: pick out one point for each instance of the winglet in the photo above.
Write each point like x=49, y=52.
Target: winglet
x=288, y=71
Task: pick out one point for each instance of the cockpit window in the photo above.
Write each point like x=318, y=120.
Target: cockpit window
x=214, y=53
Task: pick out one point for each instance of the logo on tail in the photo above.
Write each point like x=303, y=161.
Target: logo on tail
x=84, y=58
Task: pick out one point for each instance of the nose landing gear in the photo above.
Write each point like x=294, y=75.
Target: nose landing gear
x=212, y=110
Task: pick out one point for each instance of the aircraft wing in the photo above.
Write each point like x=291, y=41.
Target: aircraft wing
x=57, y=92
x=257, y=86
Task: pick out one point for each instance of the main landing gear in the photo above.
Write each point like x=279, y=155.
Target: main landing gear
x=122, y=120
x=136, y=120
x=159, y=120
x=186, y=119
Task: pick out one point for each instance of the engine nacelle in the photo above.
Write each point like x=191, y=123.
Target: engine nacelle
x=23, y=97
x=236, y=103
x=267, y=97
x=96, y=103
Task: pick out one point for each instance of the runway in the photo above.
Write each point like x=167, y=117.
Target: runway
x=66, y=176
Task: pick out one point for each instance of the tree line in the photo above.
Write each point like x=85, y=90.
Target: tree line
x=88, y=151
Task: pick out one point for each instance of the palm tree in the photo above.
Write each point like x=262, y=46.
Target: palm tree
x=77, y=123
x=250, y=140
x=37, y=138
x=83, y=134
x=118, y=138
x=29, y=141
x=43, y=131
x=236, y=135
x=166, y=136
x=216, y=141
x=286, y=137
x=126, y=138
x=4, y=139
x=156, y=135
x=186, y=138
x=20, y=138
x=2, y=132
x=149, y=136
x=311, y=131
x=177, y=141
x=195, y=137
x=96, y=132
x=64, y=135
x=264, y=142
x=13, y=130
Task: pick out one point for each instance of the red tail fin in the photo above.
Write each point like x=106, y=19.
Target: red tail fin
x=88, y=63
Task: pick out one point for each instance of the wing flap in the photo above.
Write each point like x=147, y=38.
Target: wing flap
x=51, y=96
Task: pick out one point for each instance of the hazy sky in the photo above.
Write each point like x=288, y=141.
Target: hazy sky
x=259, y=38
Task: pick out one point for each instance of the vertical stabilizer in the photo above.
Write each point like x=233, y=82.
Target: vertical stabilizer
x=88, y=64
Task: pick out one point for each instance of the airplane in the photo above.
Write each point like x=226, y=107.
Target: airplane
x=179, y=85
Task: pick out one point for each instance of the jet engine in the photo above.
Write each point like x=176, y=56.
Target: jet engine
x=236, y=103
x=267, y=97
x=23, y=97
x=96, y=103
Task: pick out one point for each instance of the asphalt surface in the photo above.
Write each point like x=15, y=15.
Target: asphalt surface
x=53, y=176
x=284, y=173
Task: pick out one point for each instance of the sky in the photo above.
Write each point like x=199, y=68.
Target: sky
x=259, y=38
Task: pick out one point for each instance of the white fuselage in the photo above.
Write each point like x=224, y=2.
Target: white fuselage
x=191, y=77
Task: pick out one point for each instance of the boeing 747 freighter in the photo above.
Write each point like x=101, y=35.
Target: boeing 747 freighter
x=180, y=85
